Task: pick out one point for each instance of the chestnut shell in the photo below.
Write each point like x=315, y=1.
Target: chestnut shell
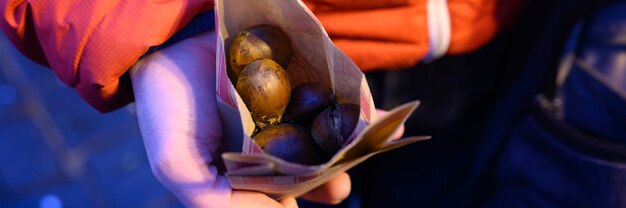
x=307, y=100
x=261, y=41
x=333, y=126
x=291, y=143
x=264, y=87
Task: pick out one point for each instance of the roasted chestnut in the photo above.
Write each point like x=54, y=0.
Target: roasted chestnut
x=308, y=100
x=264, y=88
x=261, y=41
x=333, y=126
x=291, y=143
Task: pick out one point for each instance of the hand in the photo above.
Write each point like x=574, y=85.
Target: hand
x=177, y=114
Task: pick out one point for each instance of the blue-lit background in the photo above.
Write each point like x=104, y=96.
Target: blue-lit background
x=55, y=150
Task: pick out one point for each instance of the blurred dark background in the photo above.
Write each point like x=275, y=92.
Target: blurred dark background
x=57, y=151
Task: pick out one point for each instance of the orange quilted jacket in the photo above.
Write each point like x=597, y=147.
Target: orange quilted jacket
x=90, y=44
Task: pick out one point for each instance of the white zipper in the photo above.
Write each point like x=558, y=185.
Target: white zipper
x=439, y=31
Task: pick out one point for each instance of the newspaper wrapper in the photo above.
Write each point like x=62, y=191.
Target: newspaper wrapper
x=315, y=59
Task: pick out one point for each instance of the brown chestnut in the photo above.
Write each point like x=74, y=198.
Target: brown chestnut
x=291, y=143
x=308, y=100
x=261, y=41
x=333, y=126
x=264, y=88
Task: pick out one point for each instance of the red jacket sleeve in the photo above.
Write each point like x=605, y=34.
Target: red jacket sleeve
x=396, y=34
x=90, y=44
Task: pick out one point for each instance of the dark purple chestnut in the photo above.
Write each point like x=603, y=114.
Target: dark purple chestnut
x=290, y=142
x=264, y=87
x=333, y=126
x=308, y=100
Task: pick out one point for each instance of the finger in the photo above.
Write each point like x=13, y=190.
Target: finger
x=289, y=202
x=177, y=116
x=332, y=192
x=398, y=134
x=244, y=199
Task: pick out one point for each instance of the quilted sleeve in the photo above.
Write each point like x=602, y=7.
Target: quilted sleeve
x=91, y=44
